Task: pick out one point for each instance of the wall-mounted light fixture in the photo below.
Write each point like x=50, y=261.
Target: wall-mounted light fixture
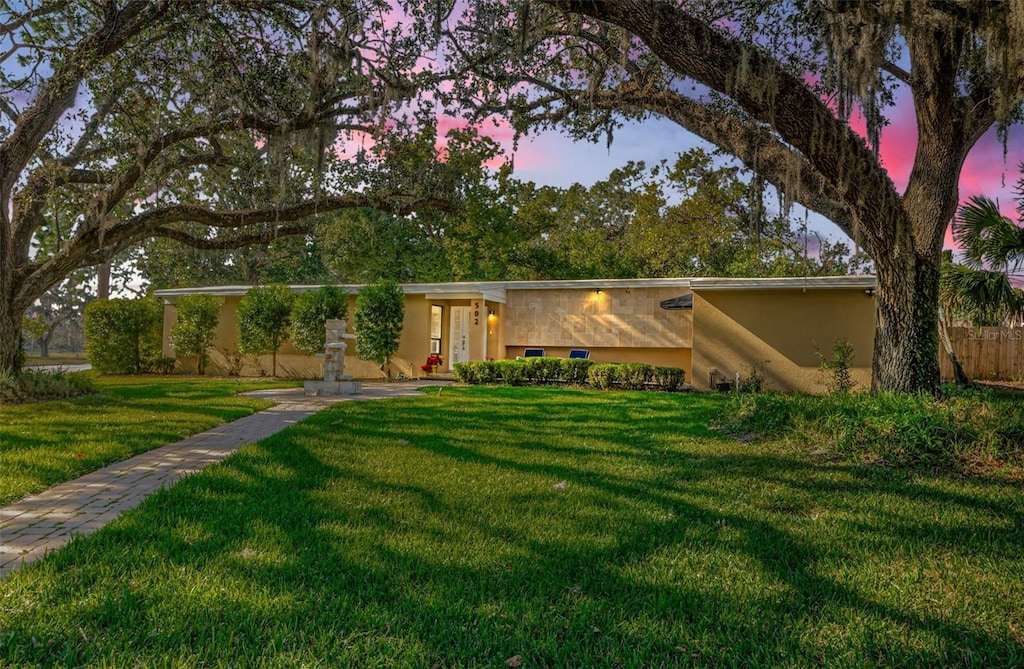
x=870, y=292
x=597, y=290
x=490, y=312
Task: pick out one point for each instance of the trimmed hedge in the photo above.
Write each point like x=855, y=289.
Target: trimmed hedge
x=544, y=371
x=124, y=336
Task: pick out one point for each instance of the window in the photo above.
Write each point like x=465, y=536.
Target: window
x=436, y=314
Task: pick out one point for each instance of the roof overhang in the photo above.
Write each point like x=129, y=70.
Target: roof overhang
x=786, y=283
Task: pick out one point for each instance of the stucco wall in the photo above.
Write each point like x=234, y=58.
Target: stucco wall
x=412, y=352
x=786, y=328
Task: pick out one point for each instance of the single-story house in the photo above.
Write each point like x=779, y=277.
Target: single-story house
x=711, y=327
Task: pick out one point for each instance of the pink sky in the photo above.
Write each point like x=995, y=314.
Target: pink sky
x=554, y=159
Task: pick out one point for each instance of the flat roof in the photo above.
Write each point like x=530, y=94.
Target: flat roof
x=783, y=283
x=495, y=290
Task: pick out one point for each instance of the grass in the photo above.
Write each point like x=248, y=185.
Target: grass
x=57, y=359
x=46, y=443
x=966, y=432
x=571, y=528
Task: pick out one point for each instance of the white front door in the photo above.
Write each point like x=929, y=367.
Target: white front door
x=459, y=347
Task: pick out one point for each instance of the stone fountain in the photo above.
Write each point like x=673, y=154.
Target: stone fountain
x=335, y=382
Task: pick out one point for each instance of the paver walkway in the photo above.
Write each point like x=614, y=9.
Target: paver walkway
x=35, y=525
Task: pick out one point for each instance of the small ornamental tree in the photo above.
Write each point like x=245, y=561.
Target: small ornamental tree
x=264, y=320
x=310, y=314
x=380, y=313
x=192, y=333
x=34, y=327
x=123, y=336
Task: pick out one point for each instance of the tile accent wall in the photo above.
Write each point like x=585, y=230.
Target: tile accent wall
x=585, y=318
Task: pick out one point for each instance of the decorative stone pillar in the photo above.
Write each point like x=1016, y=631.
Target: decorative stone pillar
x=335, y=382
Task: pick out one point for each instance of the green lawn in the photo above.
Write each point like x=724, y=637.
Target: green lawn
x=57, y=359
x=437, y=531
x=46, y=443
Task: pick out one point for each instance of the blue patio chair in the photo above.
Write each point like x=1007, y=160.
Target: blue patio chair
x=579, y=354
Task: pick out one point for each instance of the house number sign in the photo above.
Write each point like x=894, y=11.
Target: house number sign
x=476, y=313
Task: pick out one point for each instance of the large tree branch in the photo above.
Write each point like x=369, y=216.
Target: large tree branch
x=769, y=94
x=758, y=148
x=59, y=93
x=87, y=246
x=755, y=146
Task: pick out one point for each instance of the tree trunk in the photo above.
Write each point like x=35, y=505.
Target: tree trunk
x=12, y=355
x=959, y=375
x=103, y=281
x=44, y=347
x=906, y=356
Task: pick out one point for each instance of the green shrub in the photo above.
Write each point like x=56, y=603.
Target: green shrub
x=233, y=361
x=576, y=370
x=511, y=372
x=542, y=370
x=669, y=379
x=380, y=314
x=603, y=375
x=264, y=320
x=633, y=375
x=37, y=386
x=956, y=433
x=465, y=372
x=837, y=369
x=194, y=329
x=486, y=372
x=310, y=314
x=123, y=336
x=755, y=379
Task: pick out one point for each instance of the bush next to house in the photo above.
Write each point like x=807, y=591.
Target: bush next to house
x=633, y=375
x=124, y=336
x=511, y=372
x=475, y=373
x=193, y=331
x=310, y=314
x=264, y=320
x=380, y=313
x=603, y=375
x=575, y=371
x=542, y=371
x=668, y=378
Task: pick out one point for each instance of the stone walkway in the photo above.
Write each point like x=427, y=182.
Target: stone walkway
x=35, y=525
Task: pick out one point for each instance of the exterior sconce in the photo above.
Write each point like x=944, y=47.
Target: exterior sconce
x=597, y=290
x=870, y=292
x=490, y=312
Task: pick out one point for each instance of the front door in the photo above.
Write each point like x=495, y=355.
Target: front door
x=459, y=349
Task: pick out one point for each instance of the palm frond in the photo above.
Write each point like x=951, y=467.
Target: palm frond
x=987, y=237
x=981, y=297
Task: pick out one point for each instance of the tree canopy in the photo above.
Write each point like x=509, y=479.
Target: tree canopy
x=217, y=124
x=775, y=84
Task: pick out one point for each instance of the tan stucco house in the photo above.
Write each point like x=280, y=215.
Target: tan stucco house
x=711, y=327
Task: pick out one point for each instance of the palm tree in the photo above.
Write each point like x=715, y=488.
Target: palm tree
x=981, y=291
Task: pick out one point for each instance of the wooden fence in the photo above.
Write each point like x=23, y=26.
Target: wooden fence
x=991, y=354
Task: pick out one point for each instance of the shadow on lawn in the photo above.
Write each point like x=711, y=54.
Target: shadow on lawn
x=318, y=544
x=51, y=442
